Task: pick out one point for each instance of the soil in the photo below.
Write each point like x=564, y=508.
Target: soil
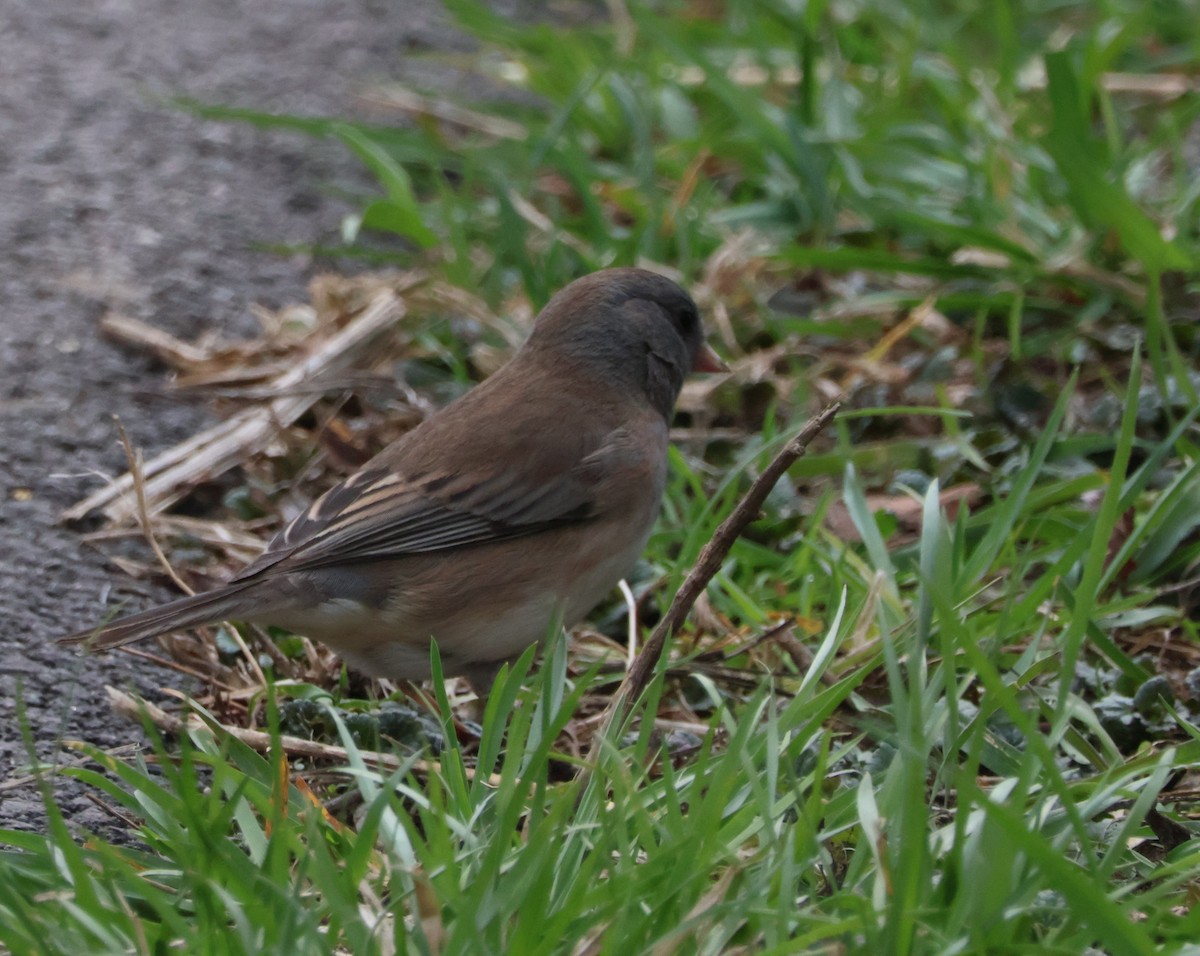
x=112, y=198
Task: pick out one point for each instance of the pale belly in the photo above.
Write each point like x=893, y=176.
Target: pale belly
x=480, y=612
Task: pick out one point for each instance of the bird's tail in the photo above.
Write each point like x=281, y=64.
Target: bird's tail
x=196, y=611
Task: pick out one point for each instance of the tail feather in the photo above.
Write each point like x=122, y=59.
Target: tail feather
x=195, y=611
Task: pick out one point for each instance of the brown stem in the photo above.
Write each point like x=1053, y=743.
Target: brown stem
x=708, y=563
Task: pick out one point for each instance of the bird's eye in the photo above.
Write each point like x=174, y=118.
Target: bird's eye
x=684, y=317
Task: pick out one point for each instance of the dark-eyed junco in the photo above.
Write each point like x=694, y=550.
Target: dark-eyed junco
x=518, y=506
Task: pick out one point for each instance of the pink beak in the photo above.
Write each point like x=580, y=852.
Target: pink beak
x=708, y=361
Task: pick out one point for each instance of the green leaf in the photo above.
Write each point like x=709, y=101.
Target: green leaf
x=1097, y=196
x=388, y=216
x=400, y=213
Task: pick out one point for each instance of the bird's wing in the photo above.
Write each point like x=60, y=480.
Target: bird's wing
x=381, y=513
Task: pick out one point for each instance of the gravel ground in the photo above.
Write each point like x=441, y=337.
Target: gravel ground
x=112, y=199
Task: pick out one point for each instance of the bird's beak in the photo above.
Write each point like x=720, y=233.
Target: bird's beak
x=708, y=361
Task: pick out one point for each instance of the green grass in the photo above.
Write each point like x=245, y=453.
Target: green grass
x=987, y=750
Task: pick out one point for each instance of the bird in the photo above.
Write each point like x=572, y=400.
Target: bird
x=509, y=513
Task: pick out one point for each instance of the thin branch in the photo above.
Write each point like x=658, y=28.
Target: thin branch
x=135, y=708
x=143, y=513
x=708, y=563
x=134, y=460
x=395, y=96
x=219, y=448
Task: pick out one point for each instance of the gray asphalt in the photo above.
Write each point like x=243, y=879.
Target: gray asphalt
x=111, y=198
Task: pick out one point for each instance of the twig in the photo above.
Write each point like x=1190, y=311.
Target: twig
x=395, y=96
x=234, y=541
x=134, y=460
x=279, y=660
x=17, y=783
x=217, y=449
x=256, y=671
x=209, y=679
x=708, y=563
x=135, y=708
x=139, y=486
x=543, y=223
x=115, y=812
x=164, y=346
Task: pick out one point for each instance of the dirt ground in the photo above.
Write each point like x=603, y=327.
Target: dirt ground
x=111, y=198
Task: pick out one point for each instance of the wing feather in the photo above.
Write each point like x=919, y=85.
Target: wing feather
x=379, y=514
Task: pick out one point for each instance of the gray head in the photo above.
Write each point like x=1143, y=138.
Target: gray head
x=629, y=325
